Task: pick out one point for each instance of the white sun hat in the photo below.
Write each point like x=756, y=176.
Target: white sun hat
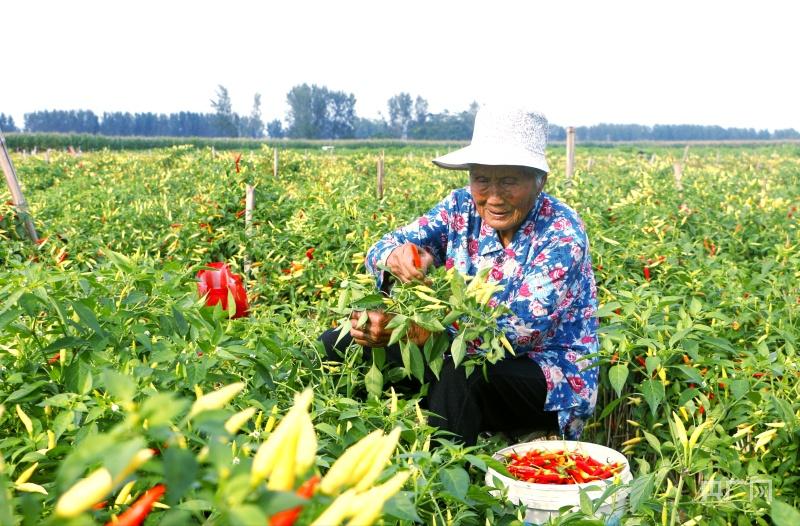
x=502, y=136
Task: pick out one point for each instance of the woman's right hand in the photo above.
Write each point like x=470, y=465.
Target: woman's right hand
x=402, y=262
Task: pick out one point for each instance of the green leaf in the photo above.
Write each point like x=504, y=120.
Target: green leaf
x=22, y=392
x=458, y=349
x=374, y=381
x=641, y=491
x=608, y=309
x=739, y=387
x=79, y=377
x=783, y=514
x=653, y=392
x=586, y=502
x=246, y=515
x=401, y=507
x=417, y=362
x=120, y=386
x=692, y=374
x=87, y=316
x=617, y=375
x=180, y=321
x=399, y=332
x=180, y=471
x=652, y=440
x=651, y=363
x=455, y=481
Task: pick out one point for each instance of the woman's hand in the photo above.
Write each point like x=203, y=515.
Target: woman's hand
x=373, y=332
x=402, y=262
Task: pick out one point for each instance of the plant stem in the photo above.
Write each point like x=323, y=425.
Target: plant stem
x=678, y=490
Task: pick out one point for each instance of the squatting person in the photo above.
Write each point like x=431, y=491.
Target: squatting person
x=538, y=251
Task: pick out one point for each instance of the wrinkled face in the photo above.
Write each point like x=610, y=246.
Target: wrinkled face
x=504, y=195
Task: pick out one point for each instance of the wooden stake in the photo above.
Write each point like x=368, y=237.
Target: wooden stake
x=589, y=164
x=570, y=153
x=380, y=177
x=677, y=169
x=16, y=192
x=249, y=204
x=685, y=155
x=275, y=162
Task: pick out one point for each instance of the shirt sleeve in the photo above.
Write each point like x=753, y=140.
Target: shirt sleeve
x=429, y=231
x=551, y=285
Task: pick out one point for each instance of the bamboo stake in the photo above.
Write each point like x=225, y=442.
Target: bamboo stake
x=570, y=153
x=16, y=192
x=685, y=155
x=380, y=176
x=249, y=203
x=677, y=169
x=275, y=162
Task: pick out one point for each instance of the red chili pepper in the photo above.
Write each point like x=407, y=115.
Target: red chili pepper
x=647, y=273
x=415, y=255
x=139, y=510
x=236, y=162
x=53, y=359
x=288, y=517
x=310, y=253
x=240, y=213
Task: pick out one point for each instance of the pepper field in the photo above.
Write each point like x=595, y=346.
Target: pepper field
x=105, y=346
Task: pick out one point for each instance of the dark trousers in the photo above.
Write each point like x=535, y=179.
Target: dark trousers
x=511, y=401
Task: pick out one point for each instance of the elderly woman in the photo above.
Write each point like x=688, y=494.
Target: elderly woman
x=538, y=251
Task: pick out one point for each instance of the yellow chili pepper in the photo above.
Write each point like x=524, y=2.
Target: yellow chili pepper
x=632, y=441
x=379, y=460
x=89, y=491
x=26, y=475
x=234, y=423
x=284, y=437
x=271, y=420
x=26, y=420
x=393, y=402
x=337, y=511
x=124, y=493
x=306, y=456
x=341, y=472
x=368, y=506
x=217, y=399
x=30, y=487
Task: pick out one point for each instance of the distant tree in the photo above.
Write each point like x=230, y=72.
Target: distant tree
x=315, y=112
x=400, y=108
x=420, y=111
x=61, y=121
x=253, y=126
x=300, y=116
x=226, y=121
x=7, y=123
x=275, y=129
x=371, y=128
x=341, y=113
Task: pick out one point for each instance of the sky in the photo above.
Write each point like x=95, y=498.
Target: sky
x=581, y=62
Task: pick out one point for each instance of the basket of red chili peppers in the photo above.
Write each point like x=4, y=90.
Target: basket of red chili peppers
x=547, y=475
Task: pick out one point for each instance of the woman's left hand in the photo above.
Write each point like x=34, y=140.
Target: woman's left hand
x=373, y=332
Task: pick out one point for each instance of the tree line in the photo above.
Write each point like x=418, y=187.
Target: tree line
x=317, y=112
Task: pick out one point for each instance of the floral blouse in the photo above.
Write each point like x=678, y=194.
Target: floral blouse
x=549, y=287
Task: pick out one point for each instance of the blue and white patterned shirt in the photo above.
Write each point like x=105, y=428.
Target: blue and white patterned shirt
x=548, y=283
